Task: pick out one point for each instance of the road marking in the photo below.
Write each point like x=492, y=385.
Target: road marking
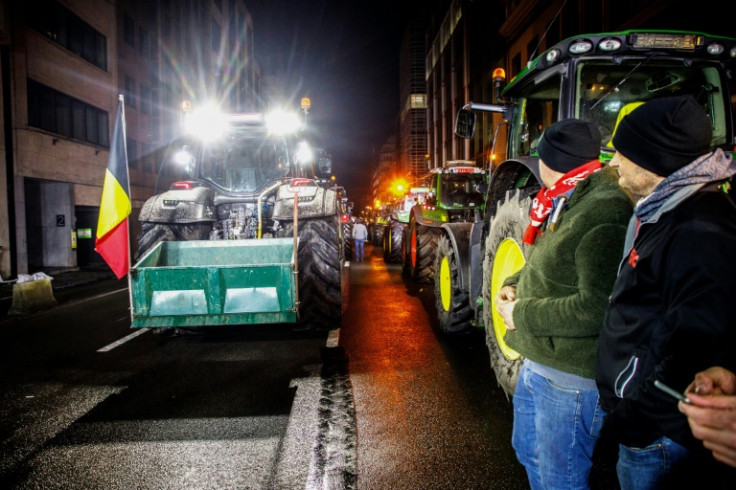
x=91, y=298
x=120, y=342
x=333, y=339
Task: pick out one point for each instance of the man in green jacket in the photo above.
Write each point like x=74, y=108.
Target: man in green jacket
x=553, y=308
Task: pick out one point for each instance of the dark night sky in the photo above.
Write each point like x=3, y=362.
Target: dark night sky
x=344, y=55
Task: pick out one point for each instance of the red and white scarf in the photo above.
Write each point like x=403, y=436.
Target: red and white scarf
x=544, y=200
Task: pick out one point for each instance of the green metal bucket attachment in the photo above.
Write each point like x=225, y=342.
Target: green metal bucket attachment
x=227, y=282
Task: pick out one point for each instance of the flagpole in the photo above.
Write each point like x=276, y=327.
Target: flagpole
x=121, y=100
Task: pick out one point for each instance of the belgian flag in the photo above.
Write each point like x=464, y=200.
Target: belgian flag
x=112, y=241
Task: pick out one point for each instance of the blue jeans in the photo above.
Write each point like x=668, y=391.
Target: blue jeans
x=359, y=252
x=644, y=468
x=555, y=431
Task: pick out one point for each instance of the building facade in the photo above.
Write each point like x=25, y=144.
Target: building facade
x=63, y=64
x=413, y=99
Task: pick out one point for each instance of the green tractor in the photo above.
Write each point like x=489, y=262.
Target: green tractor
x=594, y=77
x=398, y=222
x=455, y=195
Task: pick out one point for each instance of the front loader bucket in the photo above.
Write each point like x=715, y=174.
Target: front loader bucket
x=197, y=283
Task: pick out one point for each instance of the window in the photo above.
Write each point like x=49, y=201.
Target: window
x=128, y=30
x=418, y=101
x=144, y=43
x=537, y=108
x=69, y=31
x=606, y=89
x=130, y=91
x=53, y=111
x=132, y=149
x=145, y=100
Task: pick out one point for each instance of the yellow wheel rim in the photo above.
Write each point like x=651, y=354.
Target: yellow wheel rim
x=508, y=260
x=445, y=284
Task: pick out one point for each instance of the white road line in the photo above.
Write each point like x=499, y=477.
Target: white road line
x=333, y=339
x=91, y=298
x=120, y=342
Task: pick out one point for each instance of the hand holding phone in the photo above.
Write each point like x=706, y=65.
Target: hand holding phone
x=671, y=392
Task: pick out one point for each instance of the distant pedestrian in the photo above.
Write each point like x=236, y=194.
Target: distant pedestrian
x=672, y=309
x=360, y=234
x=553, y=308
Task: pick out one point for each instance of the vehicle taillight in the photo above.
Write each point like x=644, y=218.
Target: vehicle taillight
x=186, y=184
x=300, y=182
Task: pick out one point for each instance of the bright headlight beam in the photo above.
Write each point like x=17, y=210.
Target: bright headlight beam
x=304, y=153
x=207, y=123
x=281, y=122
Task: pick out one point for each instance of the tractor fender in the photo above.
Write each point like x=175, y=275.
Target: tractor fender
x=459, y=235
x=506, y=176
x=179, y=206
x=416, y=213
x=314, y=202
x=419, y=216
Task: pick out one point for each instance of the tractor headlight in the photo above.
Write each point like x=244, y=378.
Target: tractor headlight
x=281, y=122
x=304, y=153
x=207, y=123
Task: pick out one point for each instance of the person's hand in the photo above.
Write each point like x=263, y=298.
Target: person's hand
x=713, y=381
x=507, y=293
x=712, y=413
x=505, y=302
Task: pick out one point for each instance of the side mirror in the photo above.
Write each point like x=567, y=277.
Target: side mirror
x=465, y=123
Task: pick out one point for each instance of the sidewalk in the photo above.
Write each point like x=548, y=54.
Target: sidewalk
x=67, y=284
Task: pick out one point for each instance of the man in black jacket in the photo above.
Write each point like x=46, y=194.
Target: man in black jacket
x=673, y=306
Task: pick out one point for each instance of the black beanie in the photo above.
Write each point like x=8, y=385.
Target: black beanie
x=664, y=135
x=569, y=143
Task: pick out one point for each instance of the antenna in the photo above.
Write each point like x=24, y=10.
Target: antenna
x=549, y=26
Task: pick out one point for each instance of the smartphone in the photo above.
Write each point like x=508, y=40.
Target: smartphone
x=671, y=392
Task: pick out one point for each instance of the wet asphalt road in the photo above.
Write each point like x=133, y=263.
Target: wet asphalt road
x=396, y=406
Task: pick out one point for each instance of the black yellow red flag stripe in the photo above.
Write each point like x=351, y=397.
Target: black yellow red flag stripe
x=112, y=241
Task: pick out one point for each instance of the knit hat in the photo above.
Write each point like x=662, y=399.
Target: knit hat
x=569, y=143
x=664, y=134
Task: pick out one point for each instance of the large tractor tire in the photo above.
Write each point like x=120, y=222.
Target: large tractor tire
x=320, y=273
x=378, y=235
x=422, y=249
x=347, y=233
x=406, y=251
x=392, y=236
x=453, y=306
x=504, y=255
x=153, y=233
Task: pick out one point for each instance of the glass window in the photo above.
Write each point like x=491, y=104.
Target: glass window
x=462, y=189
x=56, y=112
x=130, y=91
x=537, y=108
x=608, y=92
x=244, y=163
x=128, y=30
x=66, y=29
x=418, y=101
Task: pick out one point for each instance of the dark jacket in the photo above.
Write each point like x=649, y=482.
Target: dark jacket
x=563, y=289
x=672, y=314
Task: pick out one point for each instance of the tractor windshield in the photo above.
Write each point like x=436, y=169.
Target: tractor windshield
x=461, y=189
x=607, y=92
x=244, y=161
